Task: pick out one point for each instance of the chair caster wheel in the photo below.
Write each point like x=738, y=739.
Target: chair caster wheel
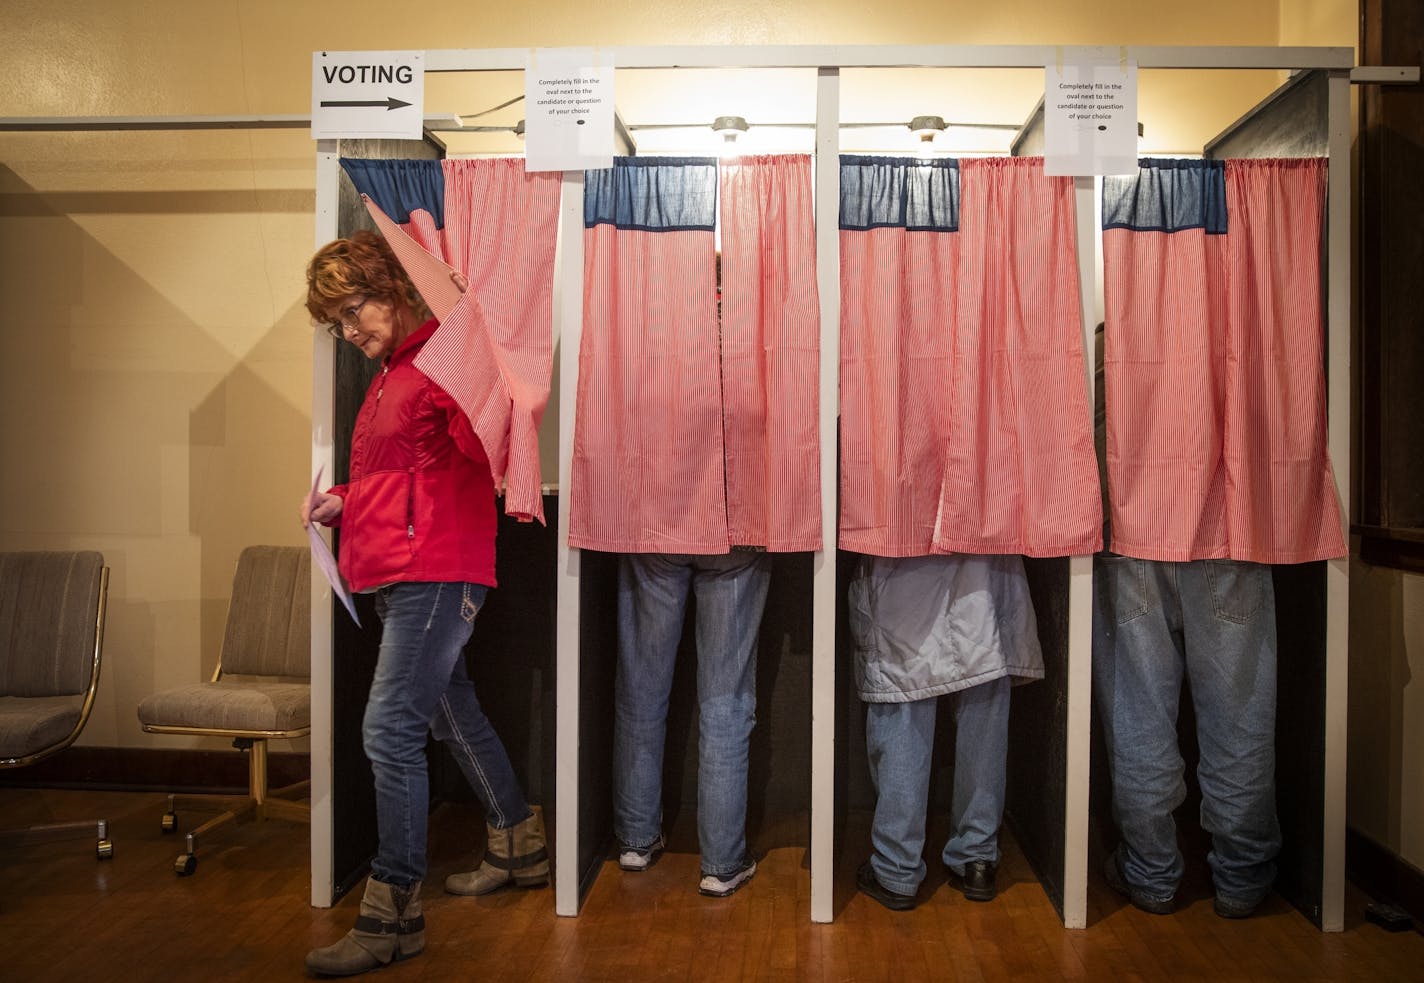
x=170, y=822
x=185, y=865
x=105, y=850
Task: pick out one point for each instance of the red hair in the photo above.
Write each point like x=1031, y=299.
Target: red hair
x=362, y=264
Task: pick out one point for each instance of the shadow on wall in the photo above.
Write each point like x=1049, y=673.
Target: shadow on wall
x=248, y=466
x=132, y=427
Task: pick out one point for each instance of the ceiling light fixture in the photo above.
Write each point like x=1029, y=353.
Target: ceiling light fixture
x=730, y=127
x=925, y=127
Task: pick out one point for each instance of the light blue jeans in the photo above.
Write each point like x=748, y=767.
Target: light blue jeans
x=653, y=590
x=1213, y=621
x=900, y=740
x=421, y=686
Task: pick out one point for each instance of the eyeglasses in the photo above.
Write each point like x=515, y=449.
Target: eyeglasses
x=347, y=320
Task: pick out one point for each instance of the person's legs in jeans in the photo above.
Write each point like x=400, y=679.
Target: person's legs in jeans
x=652, y=601
x=461, y=724
x=899, y=741
x=981, y=749
x=731, y=595
x=425, y=627
x=1230, y=624
x=1137, y=683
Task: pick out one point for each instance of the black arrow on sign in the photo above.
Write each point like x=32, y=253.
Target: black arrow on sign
x=390, y=102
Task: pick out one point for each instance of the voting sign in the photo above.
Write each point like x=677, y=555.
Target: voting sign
x=368, y=94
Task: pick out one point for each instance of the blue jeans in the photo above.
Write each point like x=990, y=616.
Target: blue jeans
x=422, y=686
x=900, y=740
x=1215, y=622
x=652, y=600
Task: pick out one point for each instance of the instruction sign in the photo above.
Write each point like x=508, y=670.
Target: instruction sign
x=1090, y=117
x=368, y=94
x=568, y=115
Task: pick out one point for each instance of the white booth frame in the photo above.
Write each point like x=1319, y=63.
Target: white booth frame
x=828, y=61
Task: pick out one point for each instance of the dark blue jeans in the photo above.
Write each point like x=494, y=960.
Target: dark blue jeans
x=899, y=739
x=422, y=686
x=1213, y=621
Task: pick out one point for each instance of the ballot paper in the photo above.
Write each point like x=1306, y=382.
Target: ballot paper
x=321, y=554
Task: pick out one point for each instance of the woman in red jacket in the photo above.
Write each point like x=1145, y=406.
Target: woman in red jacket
x=417, y=526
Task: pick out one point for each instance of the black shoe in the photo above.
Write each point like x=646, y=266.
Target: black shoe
x=1139, y=899
x=977, y=881
x=1233, y=907
x=870, y=885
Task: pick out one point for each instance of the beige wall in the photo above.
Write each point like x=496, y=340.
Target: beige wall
x=156, y=394
x=1334, y=23
x=156, y=389
x=1386, y=756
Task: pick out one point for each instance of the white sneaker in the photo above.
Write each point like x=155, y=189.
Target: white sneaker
x=721, y=885
x=630, y=858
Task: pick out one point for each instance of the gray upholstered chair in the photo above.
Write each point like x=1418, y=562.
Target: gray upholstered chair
x=51, y=638
x=260, y=690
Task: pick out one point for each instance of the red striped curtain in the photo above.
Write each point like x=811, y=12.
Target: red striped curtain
x=1021, y=474
x=770, y=353
x=899, y=292
x=1163, y=351
x=1213, y=366
x=647, y=471
x=501, y=227
x=693, y=436
x=493, y=352
x=1281, y=502
x=965, y=424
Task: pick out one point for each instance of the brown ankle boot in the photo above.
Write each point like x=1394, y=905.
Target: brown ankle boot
x=390, y=928
x=512, y=856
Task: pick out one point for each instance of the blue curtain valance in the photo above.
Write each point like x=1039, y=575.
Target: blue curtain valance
x=653, y=194
x=1168, y=196
x=899, y=192
x=400, y=187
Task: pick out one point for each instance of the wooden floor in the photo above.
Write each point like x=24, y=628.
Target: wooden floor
x=244, y=915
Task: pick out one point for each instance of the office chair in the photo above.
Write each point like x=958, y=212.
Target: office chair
x=51, y=637
x=260, y=690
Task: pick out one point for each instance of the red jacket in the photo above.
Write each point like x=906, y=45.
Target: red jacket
x=420, y=502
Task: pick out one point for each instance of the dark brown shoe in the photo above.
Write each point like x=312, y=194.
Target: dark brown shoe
x=870, y=885
x=1140, y=899
x=977, y=881
x=1234, y=908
